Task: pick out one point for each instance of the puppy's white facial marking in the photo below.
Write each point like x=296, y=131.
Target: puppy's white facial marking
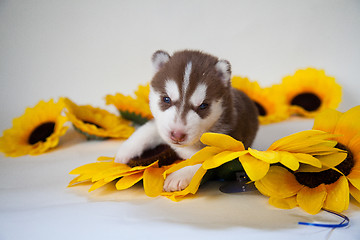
x=198, y=125
x=186, y=84
x=187, y=74
x=172, y=90
x=199, y=95
x=163, y=118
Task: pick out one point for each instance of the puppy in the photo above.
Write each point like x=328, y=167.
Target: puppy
x=191, y=94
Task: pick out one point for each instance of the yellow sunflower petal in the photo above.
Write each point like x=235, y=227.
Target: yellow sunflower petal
x=354, y=180
x=284, y=142
x=283, y=203
x=263, y=189
x=320, y=149
x=309, y=168
x=117, y=169
x=332, y=160
x=176, y=196
x=337, y=198
x=267, y=156
x=97, y=185
x=279, y=183
x=308, y=159
x=196, y=180
x=354, y=175
x=153, y=181
x=92, y=167
x=104, y=158
x=305, y=142
x=327, y=120
x=289, y=160
x=203, y=155
x=85, y=177
x=222, y=141
x=143, y=92
x=354, y=192
x=254, y=168
x=112, y=178
x=347, y=126
x=222, y=158
x=74, y=181
x=312, y=199
x=139, y=168
x=176, y=167
x=129, y=181
x=129, y=104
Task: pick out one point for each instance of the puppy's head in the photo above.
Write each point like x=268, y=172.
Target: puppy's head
x=187, y=94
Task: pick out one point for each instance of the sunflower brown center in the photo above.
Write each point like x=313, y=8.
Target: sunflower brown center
x=347, y=165
x=96, y=125
x=308, y=101
x=314, y=179
x=41, y=133
x=261, y=109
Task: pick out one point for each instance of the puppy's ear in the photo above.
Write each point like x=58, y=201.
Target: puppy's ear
x=159, y=59
x=223, y=69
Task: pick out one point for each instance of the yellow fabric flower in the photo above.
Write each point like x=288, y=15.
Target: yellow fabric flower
x=328, y=187
x=36, y=131
x=309, y=91
x=288, y=190
x=347, y=129
x=134, y=109
x=142, y=92
x=290, y=151
x=269, y=101
x=106, y=170
x=96, y=123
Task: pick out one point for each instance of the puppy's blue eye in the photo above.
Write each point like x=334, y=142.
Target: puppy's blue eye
x=203, y=106
x=166, y=99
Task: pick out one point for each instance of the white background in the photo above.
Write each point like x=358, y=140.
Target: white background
x=85, y=50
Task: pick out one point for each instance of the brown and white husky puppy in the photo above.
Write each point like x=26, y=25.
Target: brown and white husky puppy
x=191, y=94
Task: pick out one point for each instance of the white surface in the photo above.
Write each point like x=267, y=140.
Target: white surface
x=87, y=49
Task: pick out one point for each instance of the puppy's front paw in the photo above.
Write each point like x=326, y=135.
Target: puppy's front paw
x=180, y=179
x=122, y=158
x=126, y=153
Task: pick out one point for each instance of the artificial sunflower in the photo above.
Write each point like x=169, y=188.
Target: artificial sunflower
x=345, y=126
x=288, y=189
x=289, y=151
x=310, y=91
x=134, y=109
x=151, y=173
x=96, y=123
x=106, y=171
x=328, y=187
x=36, y=131
x=269, y=101
x=142, y=92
